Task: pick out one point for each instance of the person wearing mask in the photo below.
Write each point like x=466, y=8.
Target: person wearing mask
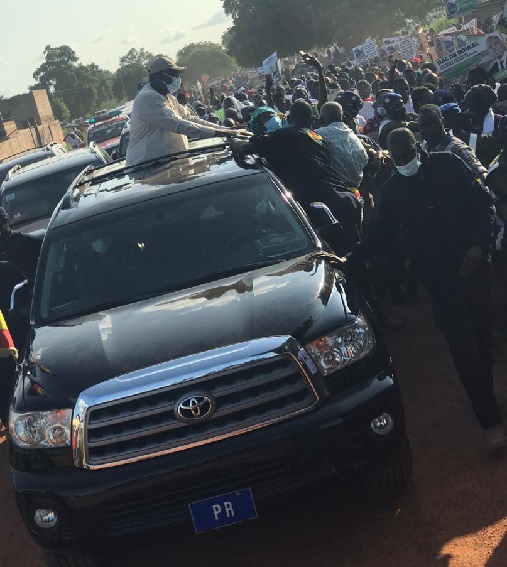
x=372, y=126
x=159, y=124
x=300, y=158
x=436, y=139
x=448, y=215
x=265, y=121
x=395, y=117
x=348, y=156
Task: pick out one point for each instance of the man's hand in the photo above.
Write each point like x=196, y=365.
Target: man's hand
x=311, y=60
x=472, y=261
x=237, y=132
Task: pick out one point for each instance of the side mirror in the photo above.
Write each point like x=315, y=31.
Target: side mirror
x=321, y=216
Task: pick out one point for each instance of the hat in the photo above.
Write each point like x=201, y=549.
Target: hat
x=450, y=108
x=441, y=96
x=163, y=63
x=392, y=101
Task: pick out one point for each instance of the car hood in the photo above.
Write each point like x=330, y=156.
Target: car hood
x=301, y=298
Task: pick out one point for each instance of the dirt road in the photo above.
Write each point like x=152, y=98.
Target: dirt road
x=454, y=514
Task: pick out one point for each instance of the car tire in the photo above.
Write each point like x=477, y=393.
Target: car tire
x=396, y=473
x=65, y=560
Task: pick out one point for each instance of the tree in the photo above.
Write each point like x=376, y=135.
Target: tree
x=133, y=70
x=261, y=27
x=58, y=63
x=205, y=58
x=60, y=110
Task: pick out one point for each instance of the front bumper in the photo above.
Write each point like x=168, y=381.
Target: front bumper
x=102, y=508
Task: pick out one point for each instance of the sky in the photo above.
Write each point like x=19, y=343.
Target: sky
x=99, y=31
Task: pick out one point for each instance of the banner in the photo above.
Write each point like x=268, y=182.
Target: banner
x=488, y=51
x=455, y=7
x=404, y=45
x=270, y=65
x=365, y=52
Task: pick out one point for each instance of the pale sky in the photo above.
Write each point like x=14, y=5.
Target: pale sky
x=99, y=31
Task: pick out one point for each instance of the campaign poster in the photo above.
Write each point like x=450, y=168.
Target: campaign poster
x=365, y=52
x=488, y=51
x=457, y=7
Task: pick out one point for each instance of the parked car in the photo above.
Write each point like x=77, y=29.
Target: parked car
x=29, y=194
x=30, y=156
x=194, y=351
x=107, y=133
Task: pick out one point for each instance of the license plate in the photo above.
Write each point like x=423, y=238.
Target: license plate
x=224, y=510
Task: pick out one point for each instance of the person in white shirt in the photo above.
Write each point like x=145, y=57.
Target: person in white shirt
x=160, y=125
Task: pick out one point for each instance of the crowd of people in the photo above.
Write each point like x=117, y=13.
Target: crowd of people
x=413, y=170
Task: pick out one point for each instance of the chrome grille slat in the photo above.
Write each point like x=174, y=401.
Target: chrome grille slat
x=133, y=417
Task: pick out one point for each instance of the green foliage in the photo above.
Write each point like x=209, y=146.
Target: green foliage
x=60, y=110
x=205, y=58
x=133, y=70
x=442, y=23
x=261, y=27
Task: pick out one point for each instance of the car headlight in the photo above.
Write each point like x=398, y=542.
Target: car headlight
x=41, y=429
x=343, y=347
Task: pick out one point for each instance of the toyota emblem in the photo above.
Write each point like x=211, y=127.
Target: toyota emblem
x=196, y=407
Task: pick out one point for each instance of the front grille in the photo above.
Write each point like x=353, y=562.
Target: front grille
x=144, y=425
x=169, y=505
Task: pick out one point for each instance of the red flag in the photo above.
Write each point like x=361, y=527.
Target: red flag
x=7, y=347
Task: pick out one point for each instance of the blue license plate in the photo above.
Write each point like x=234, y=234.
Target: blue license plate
x=224, y=510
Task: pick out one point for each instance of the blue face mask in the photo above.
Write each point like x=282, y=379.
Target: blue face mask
x=273, y=124
x=381, y=112
x=174, y=86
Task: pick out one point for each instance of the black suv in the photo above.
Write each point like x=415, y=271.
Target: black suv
x=30, y=156
x=30, y=194
x=194, y=350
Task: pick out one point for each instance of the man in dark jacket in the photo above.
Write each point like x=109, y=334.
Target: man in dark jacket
x=448, y=214
x=299, y=156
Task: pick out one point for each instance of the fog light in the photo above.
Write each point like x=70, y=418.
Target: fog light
x=383, y=424
x=45, y=518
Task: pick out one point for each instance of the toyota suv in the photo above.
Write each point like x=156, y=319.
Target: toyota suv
x=194, y=351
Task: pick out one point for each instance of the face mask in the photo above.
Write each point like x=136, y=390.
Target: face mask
x=381, y=112
x=273, y=124
x=410, y=169
x=174, y=86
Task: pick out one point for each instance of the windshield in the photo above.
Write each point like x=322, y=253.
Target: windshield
x=37, y=198
x=166, y=244
x=106, y=131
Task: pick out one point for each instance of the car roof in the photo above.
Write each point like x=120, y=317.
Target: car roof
x=114, y=186
x=119, y=118
x=60, y=162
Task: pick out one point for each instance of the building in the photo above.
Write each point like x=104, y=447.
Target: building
x=27, y=122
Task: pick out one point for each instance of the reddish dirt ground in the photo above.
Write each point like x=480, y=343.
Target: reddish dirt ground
x=453, y=514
